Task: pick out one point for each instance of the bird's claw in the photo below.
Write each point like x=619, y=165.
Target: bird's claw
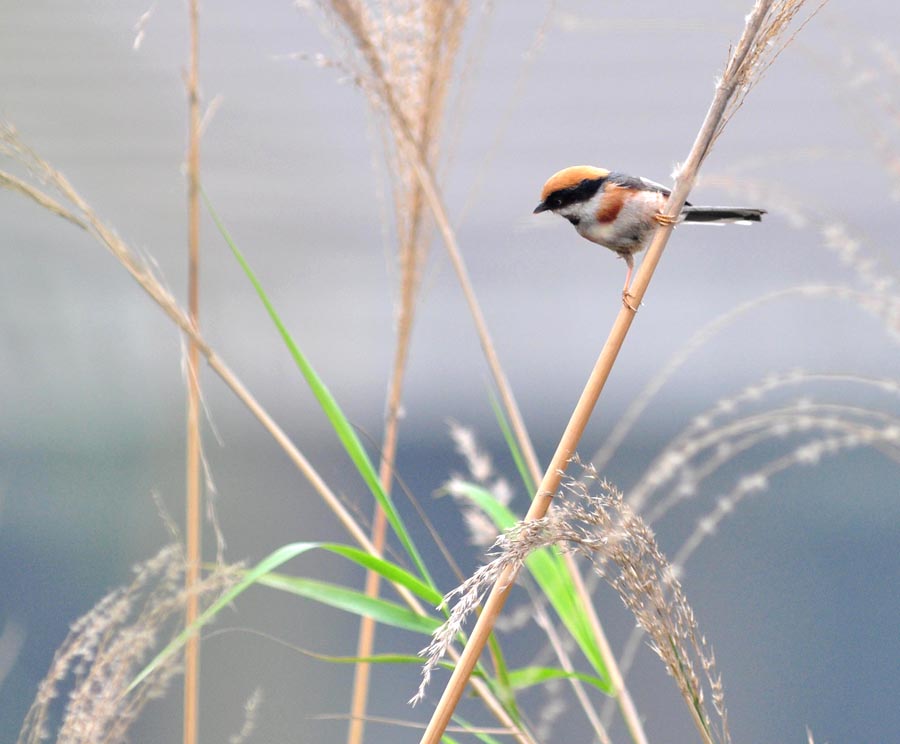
x=625, y=296
x=664, y=219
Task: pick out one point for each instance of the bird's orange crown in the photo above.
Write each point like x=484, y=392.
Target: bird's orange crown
x=571, y=176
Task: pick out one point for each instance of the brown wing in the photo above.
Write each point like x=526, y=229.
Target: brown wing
x=614, y=196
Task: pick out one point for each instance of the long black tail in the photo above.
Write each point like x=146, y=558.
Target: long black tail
x=722, y=214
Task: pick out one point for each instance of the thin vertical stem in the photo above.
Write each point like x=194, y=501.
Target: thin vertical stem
x=366, y=640
x=193, y=474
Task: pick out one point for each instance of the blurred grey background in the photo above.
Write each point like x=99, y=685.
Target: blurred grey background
x=798, y=591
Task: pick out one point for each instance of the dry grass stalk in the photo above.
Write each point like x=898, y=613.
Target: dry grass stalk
x=722, y=433
x=108, y=646
x=413, y=113
x=193, y=475
x=766, y=22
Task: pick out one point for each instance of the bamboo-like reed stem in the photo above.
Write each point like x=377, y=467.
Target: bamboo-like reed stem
x=724, y=95
x=193, y=472
x=365, y=642
x=366, y=639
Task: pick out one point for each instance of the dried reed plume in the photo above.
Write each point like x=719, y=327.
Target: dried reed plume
x=402, y=54
x=883, y=305
x=744, y=71
x=623, y=551
x=108, y=646
x=72, y=207
x=251, y=712
x=481, y=529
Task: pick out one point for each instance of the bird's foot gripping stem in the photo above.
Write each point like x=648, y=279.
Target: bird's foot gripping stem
x=664, y=219
x=627, y=300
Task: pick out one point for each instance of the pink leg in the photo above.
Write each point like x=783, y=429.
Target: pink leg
x=630, y=261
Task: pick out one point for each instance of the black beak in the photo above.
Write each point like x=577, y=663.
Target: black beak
x=542, y=207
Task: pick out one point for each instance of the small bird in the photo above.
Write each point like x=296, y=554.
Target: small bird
x=622, y=212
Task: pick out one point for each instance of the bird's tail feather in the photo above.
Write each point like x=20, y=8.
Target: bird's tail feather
x=721, y=214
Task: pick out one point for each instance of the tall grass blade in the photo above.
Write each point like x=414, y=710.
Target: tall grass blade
x=269, y=563
x=277, y=558
x=390, y=572
x=521, y=679
x=486, y=738
x=330, y=407
x=350, y=600
x=512, y=444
